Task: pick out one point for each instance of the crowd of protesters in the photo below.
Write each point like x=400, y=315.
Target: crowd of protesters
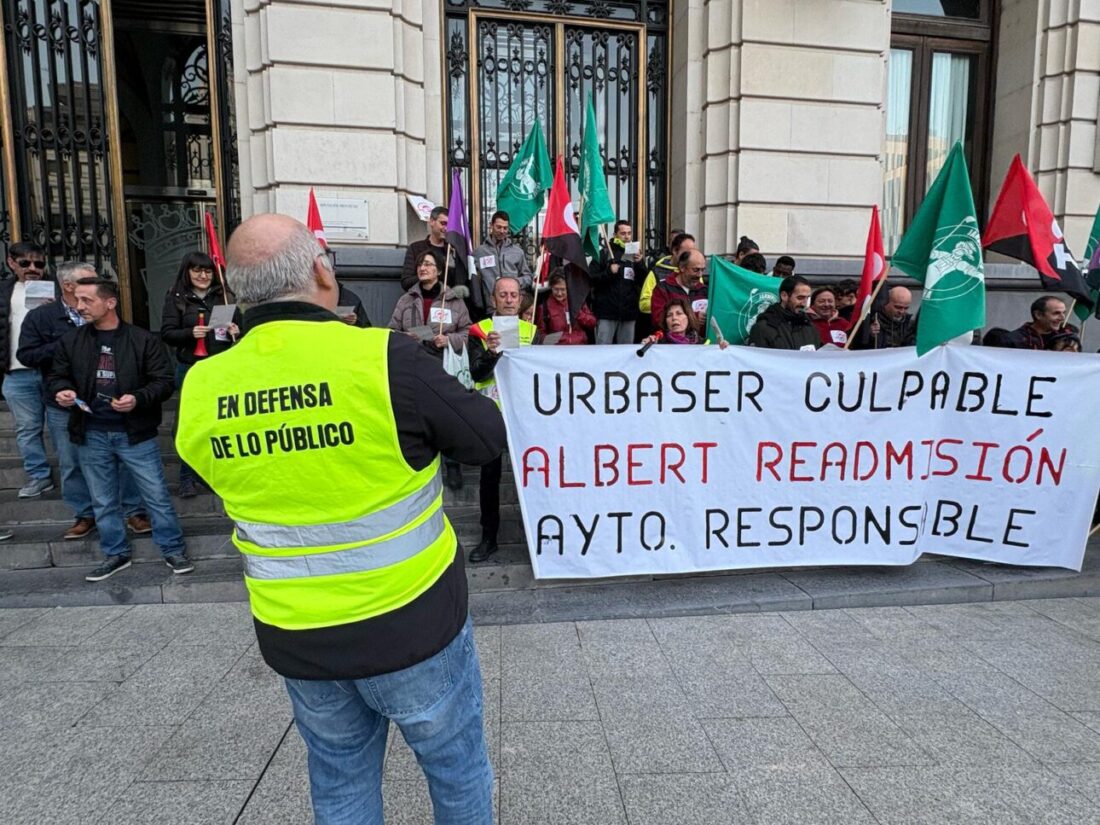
x=96, y=384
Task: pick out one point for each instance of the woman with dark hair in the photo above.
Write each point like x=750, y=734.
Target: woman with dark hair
x=193, y=297
x=755, y=262
x=680, y=325
x=746, y=246
x=553, y=314
x=428, y=304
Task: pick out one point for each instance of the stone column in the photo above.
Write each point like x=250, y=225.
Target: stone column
x=340, y=95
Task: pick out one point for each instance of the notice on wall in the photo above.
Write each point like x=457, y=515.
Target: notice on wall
x=696, y=458
x=345, y=217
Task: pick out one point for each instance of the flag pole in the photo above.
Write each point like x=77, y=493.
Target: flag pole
x=867, y=311
x=443, y=292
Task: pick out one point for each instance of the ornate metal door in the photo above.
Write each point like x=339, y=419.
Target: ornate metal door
x=510, y=61
x=59, y=127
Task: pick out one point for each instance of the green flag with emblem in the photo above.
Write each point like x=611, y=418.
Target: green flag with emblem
x=735, y=297
x=596, y=208
x=1091, y=270
x=943, y=250
x=522, y=191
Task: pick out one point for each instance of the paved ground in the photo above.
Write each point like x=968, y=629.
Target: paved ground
x=976, y=713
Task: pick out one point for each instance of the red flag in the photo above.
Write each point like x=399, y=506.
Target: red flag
x=313, y=220
x=562, y=239
x=874, y=264
x=1023, y=227
x=559, y=230
x=212, y=242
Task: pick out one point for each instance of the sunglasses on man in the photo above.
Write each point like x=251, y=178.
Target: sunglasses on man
x=27, y=263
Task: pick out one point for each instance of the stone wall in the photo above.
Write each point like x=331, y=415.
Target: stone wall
x=343, y=95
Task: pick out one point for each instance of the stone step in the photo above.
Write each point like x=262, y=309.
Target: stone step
x=49, y=508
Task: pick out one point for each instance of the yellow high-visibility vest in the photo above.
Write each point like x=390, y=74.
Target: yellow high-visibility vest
x=488, y=387
x=294, y=429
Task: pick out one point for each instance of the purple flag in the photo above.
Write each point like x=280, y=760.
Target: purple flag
x=458, y=225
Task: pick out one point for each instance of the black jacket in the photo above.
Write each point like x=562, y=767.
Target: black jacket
x=614, y=297
x=181, y=315
x=899, y=333
x=779, y=328
x=433, y=414
x=43, y=329
x=7, y=286
x=456, y=277
x=350, y=299
x=142, y=370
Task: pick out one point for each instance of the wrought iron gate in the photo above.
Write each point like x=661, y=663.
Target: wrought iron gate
x=540, y=58
x=59, y=127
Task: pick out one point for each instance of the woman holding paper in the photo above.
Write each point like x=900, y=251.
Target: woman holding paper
x=188, y=319
x=434, y=315
x=680, y=325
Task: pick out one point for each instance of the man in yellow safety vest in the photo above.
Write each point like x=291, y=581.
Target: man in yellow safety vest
x=323, y=440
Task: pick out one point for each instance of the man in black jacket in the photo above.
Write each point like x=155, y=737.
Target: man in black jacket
x=42, y=332
x=786, y=325
x=889, y=323
x=23, y=385
x=116, y=376
x=436, y=242
x=616, y=284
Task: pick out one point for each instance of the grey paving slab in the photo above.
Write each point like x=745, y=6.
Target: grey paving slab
x=892, y=683
x=282, y=796
x=719, y=681
x=543, y=675
x=406, y=803
x=69, y=626
x=1076, y=614
x=487, y=642
x=72, y=664
x=181, y=803
x=648, y=742
x=17, y=617
x=998, y=795
x=961, y=738
x=557, y=772
x=179, y=624
x=1084, y=778
x=759, y=743
x=1049, y=736
x=795, y=795
x=924, y=583
x=682, y=799
x=167, y=688
x=619, y=647
x=30, y=707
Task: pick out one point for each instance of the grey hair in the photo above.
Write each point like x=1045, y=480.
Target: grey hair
x=286, y=274
x=70, y=271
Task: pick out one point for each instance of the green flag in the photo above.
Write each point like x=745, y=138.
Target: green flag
x=735, y=296
x=943, y=250
x=522, y=191
x=596, y=206
x=1092, y=271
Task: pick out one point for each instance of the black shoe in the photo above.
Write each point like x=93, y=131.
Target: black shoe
x=108, y=568
x=179, y=563
x=453, y=477
x=188, y=489
x=484, y=549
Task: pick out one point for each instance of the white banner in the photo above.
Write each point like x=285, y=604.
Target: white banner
x=695, y=458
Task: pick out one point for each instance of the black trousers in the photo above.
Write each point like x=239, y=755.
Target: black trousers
x=489, y=498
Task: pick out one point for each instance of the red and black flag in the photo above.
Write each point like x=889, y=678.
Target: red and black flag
x=562, y=239
x=1023, y=227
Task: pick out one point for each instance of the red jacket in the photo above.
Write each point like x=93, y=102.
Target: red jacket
x=670, y=288
x=553, y=316
x=834, y=331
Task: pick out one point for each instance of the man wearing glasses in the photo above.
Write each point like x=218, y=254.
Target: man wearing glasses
x=23, y=386
x=685, y=282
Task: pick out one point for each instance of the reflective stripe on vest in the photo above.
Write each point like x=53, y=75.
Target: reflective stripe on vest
x=360, y=530
x=353, y=560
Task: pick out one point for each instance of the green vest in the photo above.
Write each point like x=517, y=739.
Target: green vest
x=294, y=429
x=488, y=387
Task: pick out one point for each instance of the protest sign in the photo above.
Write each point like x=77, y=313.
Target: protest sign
x=695, y=458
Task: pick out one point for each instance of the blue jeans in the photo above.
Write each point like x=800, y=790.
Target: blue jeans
x=74, y=489
x=437, y=706
x=23, y=392
x=185, y=469
x=102, y=455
